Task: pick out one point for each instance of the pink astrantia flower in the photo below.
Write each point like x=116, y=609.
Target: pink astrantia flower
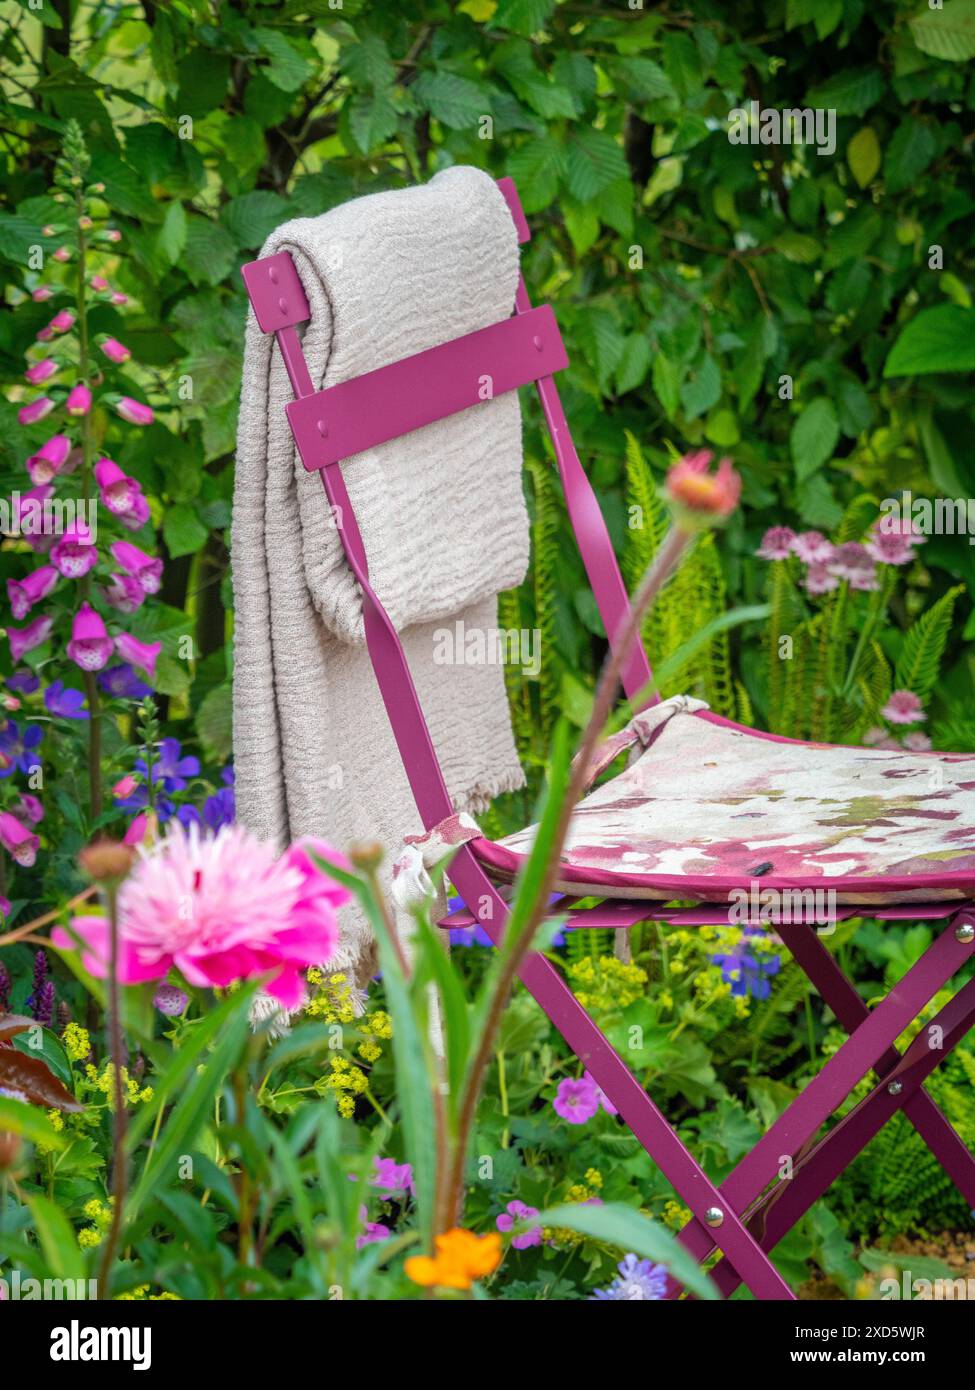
x=115, y=351
x=695, y=489
x=62, y=321
x=19, y=842
x=147, y=569
x=74, y=553
x=30, y=414
x=890, y=548
x=119, y=492
x=219, y=909
x=893, y=524
x=134, y=411
x=79, y=400
x=24, y=593
x=576, y=1100
x=819, y=580
x=776, y=543
x=813, y=548
x=90, y=646
x=49, y=459
x=917, y=742
x=141, y=654
x=124, y=593
x=512, y=1214
x=852, y=562
x=25, y=639
x=903, y=707
x=41, y=371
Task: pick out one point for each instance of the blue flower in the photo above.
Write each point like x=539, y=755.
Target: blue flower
x=23, y=680
x=745, y=971
x=220, y=809
x=170, y=767
x=637, y=1280
x=18, y=748
x=121, y=683
x=65, y=701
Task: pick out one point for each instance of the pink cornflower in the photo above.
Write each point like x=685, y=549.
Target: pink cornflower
x=79, y=400
x=890, y=548
x=49, y=459
x=24, y=593
x=19, y=842
x=25, y=639
x=903, y=707
x=147, y=569
x=813, y=548
x=777, y=543
x=141, y=654
x=90, y=646
x=576, y=1100
x=30, y=414
x=115, y=351
x=74, y=553
x=697, y=490
x=41, y=371
x=134, y=411
x=819, y=580
x=514, y=1212
x=220, y=909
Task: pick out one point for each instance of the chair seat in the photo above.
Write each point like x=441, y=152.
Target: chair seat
x=711, y=808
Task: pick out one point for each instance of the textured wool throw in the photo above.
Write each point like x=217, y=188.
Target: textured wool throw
x=442, y=517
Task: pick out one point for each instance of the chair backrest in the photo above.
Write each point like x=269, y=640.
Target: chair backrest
x=342, y=420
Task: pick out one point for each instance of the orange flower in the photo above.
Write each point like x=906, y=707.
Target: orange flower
x=461, y=1258
x=698, y=491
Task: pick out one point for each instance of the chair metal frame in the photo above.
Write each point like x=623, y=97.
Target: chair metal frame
x=742, y=1219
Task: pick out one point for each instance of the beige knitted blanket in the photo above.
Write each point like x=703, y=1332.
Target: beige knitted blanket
x=442, y=517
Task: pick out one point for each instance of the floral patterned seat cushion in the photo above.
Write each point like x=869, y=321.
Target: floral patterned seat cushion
x=711, y=808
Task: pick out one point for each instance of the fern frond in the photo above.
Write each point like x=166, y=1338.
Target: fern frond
x=924, y=645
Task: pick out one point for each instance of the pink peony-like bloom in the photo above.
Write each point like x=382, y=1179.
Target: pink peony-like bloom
x=147, y=569
x=62, y=321
x=776, y=543
x=813, y=548
x=41, y=371
x=219, y=909
x=115, y=351
x=141, y=654
x=79, y=400
x=903, y=707
x=890, y=548
x=576, y=1100
x=19, y=842
x=698, y=491
x=90, y=646
x=41, y=293
x=134, y=411
x=917, y=742
x=819, y=580
x=514, y=1212
x=49, y=459
x=119, y=492
x=74, y=553
x=30, y=414
x=25, y=639
x=124, y=593
x=24, y=593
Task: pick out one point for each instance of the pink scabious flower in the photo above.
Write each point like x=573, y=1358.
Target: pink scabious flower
x=30, y=414
x=813, y=548
x=41, y=293
x=777, y=543
x=576, y=1100
x=890, y=548
x=134, y=411
x=147, y=569
x=25, y=639
x=852, y=562
x=124, y=593
x=41, y=371
x=119, y=492
x=115, y=351
x=917, y=742
x=903, y=707
x=19, y=842
x=62, y=321
x=24, y=593
x=218, y=908
x=819, y=580
x=74, y=553
x=79, y=400
x=697, y=490
x=513, y=1213
x=141, y=654
x=90, y=646
x=49, y=459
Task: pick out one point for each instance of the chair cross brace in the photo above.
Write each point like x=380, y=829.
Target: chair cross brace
x=750, y=1211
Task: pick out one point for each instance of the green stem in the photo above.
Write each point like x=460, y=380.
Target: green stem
x=119, y=1166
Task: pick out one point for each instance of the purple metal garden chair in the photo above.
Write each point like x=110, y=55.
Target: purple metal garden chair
x=910, y=857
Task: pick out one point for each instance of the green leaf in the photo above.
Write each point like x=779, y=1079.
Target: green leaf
x=368, y=63
x=595, y=160
x=172, y=233
x=633, y=1233
x=57, y=1239
x=665, y=376
x=947, y=33
x=522, y=16
x=863, y=155
x=372, y=120
x=941, y=339
x=17, y=1117
x=214, y=722
x=702, y=390
x=183, y=530
x=209, y=254
x=290, y=63
x=909, y=153
x=536, y=167
x=634, y=363
x=814, y=437
x=454, y=101
x=251, y=218
x=849, y=93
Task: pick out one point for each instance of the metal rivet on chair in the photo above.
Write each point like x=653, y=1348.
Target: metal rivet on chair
x=272, y=274
x=283, y=305
x=538, y=343
x=714, y=1216
x=965, y=933
x=895, y=1088
x=322, y=428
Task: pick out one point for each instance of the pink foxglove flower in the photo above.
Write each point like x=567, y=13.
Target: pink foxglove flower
x=41, y=371
x=137, y=831
x=776, y=543
x=137, y=517
x=119, y=298
x=62, y=321
x=29, y=809
x=79, y=400
x=25, y=639
x=62, y=254
x=698, y=491
x=134, y=411
x=118, y=491
x=112, y=234
x=44, y=335
x=49, y=459
x=147, y=569
x=125, y=786
x=813, y=548
x=124, y=593
x=99, y=283
x=30, y=414
x=219, y=909
x=90, y=646
x=141, y=654
x=24, y=593
x=75, y=553
x=903, y=707
x=115, y=351
x=19, y=842
x=41, y=293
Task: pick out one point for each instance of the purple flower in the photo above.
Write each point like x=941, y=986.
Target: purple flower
x=637, y=1280
x=170, y=1000
x=170, y=767
x=745, y=971
x=601, y=1095
x=4, y=990
x=515, y=1212
x=219, y=810
x=576, y=1100
x=903, y=707
x=23, y=680
x=65, y=702
x=392, y=1178
x=19, y=747
x=41, y=998
x=121, y=683
x=373, y=1231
